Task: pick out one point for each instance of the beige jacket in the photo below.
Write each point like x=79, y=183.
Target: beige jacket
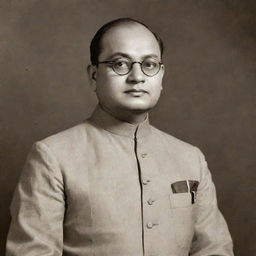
x=109, y=188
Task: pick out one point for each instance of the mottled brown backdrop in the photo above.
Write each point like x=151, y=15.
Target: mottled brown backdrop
x=208, y=98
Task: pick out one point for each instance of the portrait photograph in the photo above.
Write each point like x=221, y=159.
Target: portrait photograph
x=127, y=128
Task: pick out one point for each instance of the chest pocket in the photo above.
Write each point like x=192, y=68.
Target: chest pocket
x=182, y=218
x=179, y=200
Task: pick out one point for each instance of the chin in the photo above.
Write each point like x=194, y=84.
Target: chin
x=140, y=108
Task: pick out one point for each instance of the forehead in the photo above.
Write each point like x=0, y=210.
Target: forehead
x=134, y=40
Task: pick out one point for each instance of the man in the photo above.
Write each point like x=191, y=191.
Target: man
x=115, y=185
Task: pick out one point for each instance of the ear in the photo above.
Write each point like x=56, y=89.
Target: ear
x=92, y=75
x=162, y=70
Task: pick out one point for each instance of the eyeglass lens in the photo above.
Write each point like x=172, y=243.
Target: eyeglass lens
x=149, y=67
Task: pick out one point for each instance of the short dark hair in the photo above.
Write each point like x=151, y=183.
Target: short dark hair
x=95, y=46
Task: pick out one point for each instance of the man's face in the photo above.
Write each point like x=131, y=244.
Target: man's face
x=134, y=92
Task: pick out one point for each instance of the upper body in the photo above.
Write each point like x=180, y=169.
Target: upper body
x=104, y=187
x=115, y=185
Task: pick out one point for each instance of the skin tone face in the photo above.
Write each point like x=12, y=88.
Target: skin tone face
x=127, y=97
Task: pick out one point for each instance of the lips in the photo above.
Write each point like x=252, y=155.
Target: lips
x=136, y=92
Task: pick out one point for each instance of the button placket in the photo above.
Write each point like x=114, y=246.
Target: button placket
x=148, y=201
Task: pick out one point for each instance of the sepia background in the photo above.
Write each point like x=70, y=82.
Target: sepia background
x=209, y=96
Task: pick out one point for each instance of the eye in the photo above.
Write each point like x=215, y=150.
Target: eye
x=121, y=64
x=150, y=64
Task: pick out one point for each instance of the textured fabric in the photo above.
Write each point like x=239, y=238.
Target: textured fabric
x=104, y=188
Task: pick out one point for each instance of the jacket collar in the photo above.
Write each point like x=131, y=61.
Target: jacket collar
x=106, y=121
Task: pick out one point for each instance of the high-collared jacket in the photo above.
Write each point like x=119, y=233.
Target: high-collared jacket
x=110, y=188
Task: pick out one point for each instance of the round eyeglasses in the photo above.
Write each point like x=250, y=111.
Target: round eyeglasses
x=149, y=67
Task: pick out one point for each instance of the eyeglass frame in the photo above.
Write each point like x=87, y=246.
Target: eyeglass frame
x=112, y=62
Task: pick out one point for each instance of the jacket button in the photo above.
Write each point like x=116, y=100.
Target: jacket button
x=149, y=225
x=143, y=155
x=150, y=201
x=145, y=182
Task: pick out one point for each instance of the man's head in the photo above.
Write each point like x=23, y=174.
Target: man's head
x=96, y=43
x=123, y=85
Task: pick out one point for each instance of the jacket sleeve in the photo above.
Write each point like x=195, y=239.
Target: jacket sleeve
x=37, y=208
x=212, y=236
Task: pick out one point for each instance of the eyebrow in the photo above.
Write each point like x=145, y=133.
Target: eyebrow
x=121, y=54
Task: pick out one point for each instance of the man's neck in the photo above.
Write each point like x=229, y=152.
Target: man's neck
x=132, y=117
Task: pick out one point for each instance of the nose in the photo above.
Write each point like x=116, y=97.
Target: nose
x=136, y=75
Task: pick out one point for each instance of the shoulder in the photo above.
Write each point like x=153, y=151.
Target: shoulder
x=67, y=135
x=68, y=142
